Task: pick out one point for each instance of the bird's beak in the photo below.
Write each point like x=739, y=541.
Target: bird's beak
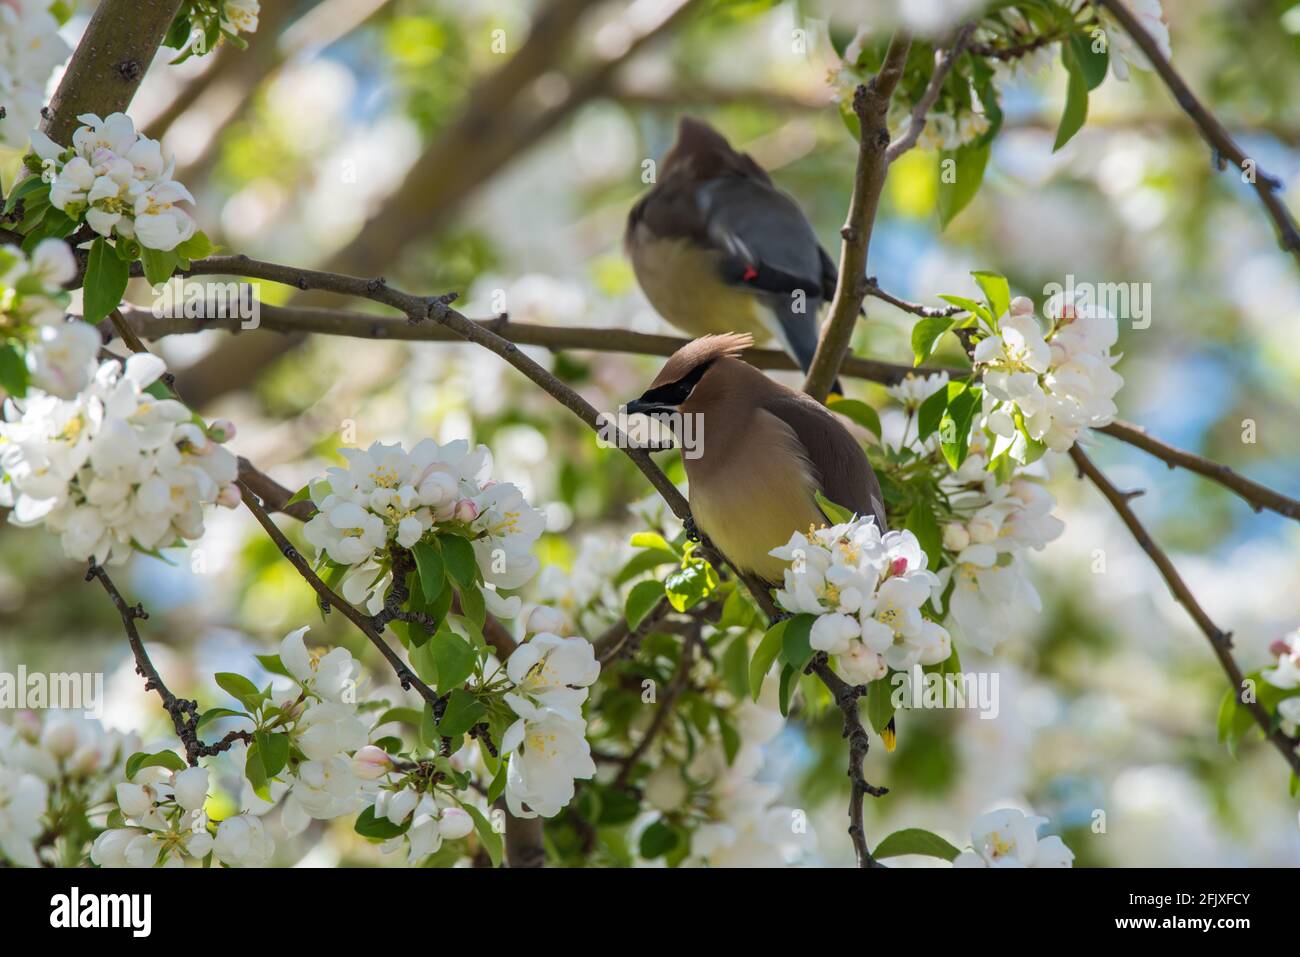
x=648, y=408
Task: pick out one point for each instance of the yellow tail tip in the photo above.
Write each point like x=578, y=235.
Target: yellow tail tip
x=890, y=736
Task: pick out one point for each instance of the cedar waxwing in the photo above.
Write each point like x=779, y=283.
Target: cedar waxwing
x=762, y=453
x=717, y=248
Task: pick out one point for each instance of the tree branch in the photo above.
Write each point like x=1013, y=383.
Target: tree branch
x=109, y=63
x=184, y=712
x=1212, y=131
x=1220, y=641
x=871, y=106
x=330, y=598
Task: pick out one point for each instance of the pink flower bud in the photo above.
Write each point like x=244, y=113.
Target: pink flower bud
x=371, y=762
x=229, y=497
x=1022, y=306
x=221, y=430
x=466, y=511
x=1279, y=648
x=898, y=566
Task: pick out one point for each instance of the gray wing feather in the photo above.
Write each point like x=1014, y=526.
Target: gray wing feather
x=844, y=474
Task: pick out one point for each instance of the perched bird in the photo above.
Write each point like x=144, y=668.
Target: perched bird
x=717, y=248
x=763, y=452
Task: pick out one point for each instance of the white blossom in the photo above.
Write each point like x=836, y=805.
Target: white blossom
x=867, y=591
x=242, y=841
x=118, y=181
x=114, y=467
x=548, y=750
x=1124, y=51
x=30, y=49
x=1009, y=838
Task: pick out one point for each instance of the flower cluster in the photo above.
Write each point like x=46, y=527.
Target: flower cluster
x=993, y=524
x=947, y=126
x=118, y=181
x=164, y=821
x=30, y=49
x=743, y=824
x=1048, y=387
x=113, y=468
x=386, y=495
x=1009, y=838
x=328, y=730
x=547, y=743
x=867, y=591
x=60, y=356
x=1286, y=675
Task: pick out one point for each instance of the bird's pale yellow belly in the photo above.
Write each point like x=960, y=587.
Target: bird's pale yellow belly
x=681, y=282
x=756, y=503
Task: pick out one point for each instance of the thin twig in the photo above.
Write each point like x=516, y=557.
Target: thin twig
x=183, y=711
x=329, y=597
x=1269, y=188
x=944, y=61
x=678, y=684
x=1220, y=641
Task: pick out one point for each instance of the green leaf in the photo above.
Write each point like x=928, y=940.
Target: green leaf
x=1076, y=98
x=930, y=414
x=158, y=265
x=795, y=649
x=955, y=428
x=14, y=377
x=302, y=495
x=640, y=600
x=472, y=604
x=28, y=187
x=690, y=585
x=489, y=838
x=835, y=514
x=197, y=246
x=240, y=688
x=880, y=704
x=764, y=655
x=462, y=713
x=920, y=521
x=158, y=759
x=735, y=666
x=644, y=561
x=789, y=681
x=454, y=658
x=653, y=540
x=1092, y=61
x=861, y=413
x=433, y=577
x=926, y=334
x=458, y=557
x=105, y=282
x=273, y=664
x=215, y=714
x=997, y=292
x=409, y=716
x=960, y=180
x=274, y=749
x=657, y=840
x=915, y=840
x=379, y=828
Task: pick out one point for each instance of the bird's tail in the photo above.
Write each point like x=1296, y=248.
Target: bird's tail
x=797, y=332
x=890, y=736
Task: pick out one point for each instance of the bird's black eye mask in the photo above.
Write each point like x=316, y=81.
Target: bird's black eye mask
x=667, y=397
